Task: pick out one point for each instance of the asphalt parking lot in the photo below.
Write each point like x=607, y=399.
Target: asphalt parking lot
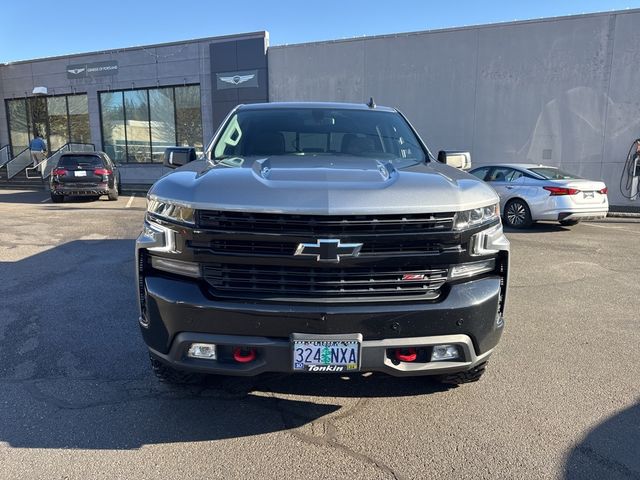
x=560, y=398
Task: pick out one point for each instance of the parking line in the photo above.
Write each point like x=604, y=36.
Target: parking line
x=611, y=227
x=45, y=200
x=130, y=200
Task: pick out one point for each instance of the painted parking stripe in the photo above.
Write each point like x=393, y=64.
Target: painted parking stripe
x=612, y=227
x=130, y=200
x=45, y=200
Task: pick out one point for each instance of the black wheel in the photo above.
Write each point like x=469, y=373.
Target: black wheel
x=113, y=194
x=468, y=376
x=173, y=376
x=57, y=198
x=569, y=223
x=517, y=214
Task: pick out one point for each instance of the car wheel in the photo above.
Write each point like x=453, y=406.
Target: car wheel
x=113, y=194
x=57, y=198
x=517, y=214
x=468, y=376
x=569, y=223
x=173, y=376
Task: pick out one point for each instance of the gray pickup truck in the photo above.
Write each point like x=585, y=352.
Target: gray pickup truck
x=320, y=237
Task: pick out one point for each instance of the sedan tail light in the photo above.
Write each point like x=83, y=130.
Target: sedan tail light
x=603, y=191
x=59, y=172
x=102, y=171
x=561, y=191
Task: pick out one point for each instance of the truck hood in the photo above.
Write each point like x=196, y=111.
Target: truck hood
x=324, y=185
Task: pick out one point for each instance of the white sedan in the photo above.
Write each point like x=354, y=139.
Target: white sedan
x=529, y=193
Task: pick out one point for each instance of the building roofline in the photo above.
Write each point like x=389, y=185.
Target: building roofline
x=465, y=27
x=257, y=34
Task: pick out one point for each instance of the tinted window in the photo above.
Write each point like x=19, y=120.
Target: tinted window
x=80, y=160
x=480, y=172
x=551, y=173
x=503, y=174
x=317, y=132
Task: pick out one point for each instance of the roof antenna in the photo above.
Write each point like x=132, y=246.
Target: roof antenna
x=371, y=103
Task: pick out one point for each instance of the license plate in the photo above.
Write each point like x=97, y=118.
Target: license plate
x=326, y=355
x=80, y=173
x=588, y=195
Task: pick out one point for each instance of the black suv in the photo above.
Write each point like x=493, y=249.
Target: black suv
x=84, y=174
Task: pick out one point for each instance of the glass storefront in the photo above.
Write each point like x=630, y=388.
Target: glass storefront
x=137, y=125
x=58, y=119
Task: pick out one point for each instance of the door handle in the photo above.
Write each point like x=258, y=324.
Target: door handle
x=509, y=188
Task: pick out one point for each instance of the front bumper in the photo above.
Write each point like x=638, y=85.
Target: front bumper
x=275, y=355
x=177, y=313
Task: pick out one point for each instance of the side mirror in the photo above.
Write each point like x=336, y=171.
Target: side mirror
x=175, y=157
x=461, y=160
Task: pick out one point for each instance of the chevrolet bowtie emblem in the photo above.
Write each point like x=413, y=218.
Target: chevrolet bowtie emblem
x=329, y=250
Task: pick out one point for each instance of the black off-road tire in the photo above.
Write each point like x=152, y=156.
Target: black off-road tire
x=173, y=376
x=517, y=214
x=113, y=194
x=57, y=198
x=569, y=223
x=469, y=376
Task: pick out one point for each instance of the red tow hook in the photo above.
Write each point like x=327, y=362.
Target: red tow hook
x=406, y=354
x=244, y=355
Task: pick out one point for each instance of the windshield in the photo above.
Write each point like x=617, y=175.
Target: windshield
x=317, y=132
x=550, y=173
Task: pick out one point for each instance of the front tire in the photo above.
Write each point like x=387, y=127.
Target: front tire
x=569, y=223
x=517, y=214
x=57, y=198
x=468, y=376
x=173, y=376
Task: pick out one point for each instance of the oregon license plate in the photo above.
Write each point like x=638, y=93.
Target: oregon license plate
x=326, y=355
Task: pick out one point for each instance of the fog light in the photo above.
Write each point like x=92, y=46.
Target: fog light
x=202, y=350
x=444, y=352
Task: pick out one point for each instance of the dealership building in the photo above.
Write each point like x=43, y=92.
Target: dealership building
x=559, y=91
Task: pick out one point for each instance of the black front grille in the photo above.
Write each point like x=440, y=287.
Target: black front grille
x=319, y=225
x=238, y=281
x=252, y=256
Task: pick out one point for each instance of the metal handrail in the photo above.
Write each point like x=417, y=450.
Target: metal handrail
x=46, y=166
x=18, y=163
x=4, y=155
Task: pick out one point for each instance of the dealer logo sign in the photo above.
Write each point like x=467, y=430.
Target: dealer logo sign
x=240, y=79
x=84, y=70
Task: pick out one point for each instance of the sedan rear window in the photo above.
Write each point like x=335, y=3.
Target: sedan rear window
x=80, y=161
x=550, y=173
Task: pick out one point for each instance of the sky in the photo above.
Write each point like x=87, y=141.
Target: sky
x=36, y=28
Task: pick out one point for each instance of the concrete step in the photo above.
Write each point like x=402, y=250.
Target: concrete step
x=20, y=181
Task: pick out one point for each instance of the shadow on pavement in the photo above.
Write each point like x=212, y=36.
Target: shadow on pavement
x=610, y=450
x=24, y=196
x=538, y=227
x=74, y=371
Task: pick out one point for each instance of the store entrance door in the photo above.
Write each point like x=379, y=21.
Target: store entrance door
x=37, y=108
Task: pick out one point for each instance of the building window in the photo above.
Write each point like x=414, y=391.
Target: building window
x=59, y=119
x=138, y=125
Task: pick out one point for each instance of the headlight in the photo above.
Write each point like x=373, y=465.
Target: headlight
x=173, y=211
x=476, y=216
